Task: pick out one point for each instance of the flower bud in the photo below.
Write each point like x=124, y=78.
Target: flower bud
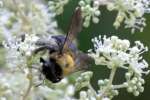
x=83, y=94
x=95, y=20
x=130, y=89
x=82, y=3
x=141, y=89
x=101, y=82
x=97, y=13
x=139, y=84
x=128, y=75
x=135, y=87
x=110, y=6
x=133, y=81
x=136, y=93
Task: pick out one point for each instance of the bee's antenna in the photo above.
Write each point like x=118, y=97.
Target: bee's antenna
x=61, y=49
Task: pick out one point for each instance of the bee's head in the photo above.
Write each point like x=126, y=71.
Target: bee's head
x=44, y=62
x=51, y=70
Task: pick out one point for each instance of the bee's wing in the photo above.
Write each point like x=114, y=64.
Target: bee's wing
x=46, y=43
x=83, y=61
x=75, y=27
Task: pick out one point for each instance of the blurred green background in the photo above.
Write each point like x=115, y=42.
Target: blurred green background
x=105, y=27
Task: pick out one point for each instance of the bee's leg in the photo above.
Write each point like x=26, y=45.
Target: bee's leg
x=35, y=68
x=42, y=78
x=42, y=48
x=50, y=48
x=43, y=82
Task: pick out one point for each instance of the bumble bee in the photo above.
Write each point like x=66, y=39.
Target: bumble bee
x=64, y=57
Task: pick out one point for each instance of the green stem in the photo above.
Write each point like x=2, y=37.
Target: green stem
x=92, y=89
x=28, y=90
x=119, y=86
x=106, y=89
x=29, y=64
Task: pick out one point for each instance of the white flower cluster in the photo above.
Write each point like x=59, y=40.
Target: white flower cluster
x=13, y=86
x=114, y=52
x=103, y=85
x=134, y=84
x=18, y=81
x=83, y=80
x=42, y=20
x=91, y=93
x=131, y=12
x=19, y=50
x=18, y=16
x=89, y=12
x=57, y=6
x=117, y=53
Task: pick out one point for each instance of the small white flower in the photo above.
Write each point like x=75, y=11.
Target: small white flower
x=105, y=98
x=139, y=67
x=70, y=90
x=64, y=81
x=83, y=95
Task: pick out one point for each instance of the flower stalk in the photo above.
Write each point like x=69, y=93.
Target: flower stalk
x=108, y=87
x=92, y=89
x=30, y=79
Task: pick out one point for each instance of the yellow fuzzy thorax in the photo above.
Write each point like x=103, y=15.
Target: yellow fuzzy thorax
x=67, y=63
